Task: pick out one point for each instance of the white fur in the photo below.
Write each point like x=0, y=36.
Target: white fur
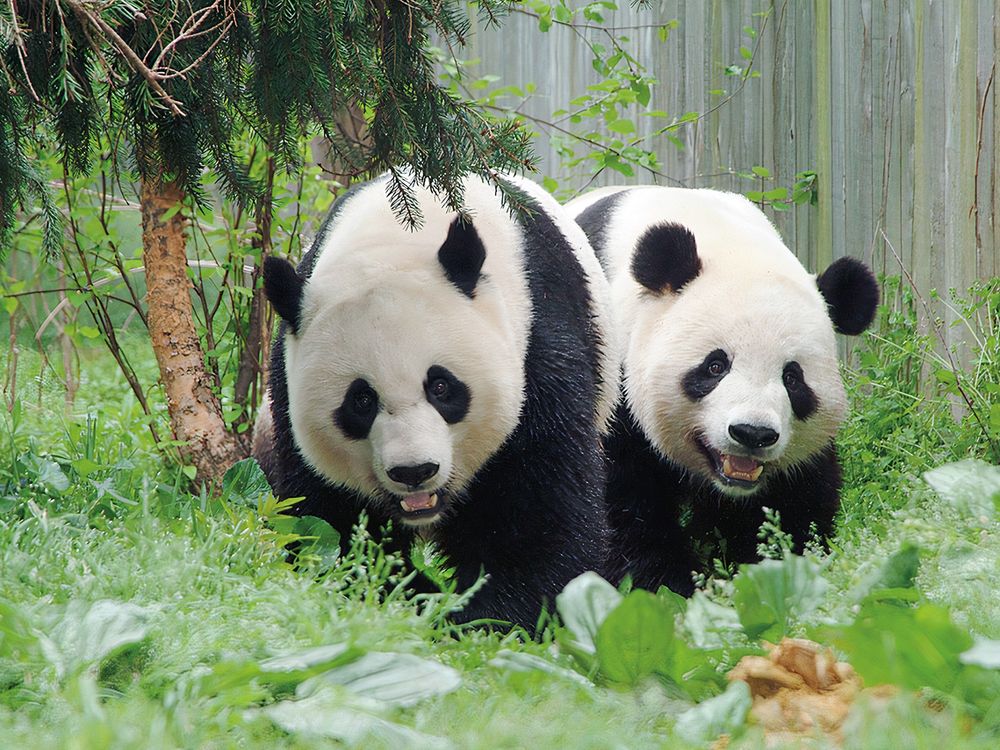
x=752, y=299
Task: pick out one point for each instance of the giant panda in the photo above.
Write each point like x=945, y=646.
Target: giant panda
x=451, y=381
x=732, y=393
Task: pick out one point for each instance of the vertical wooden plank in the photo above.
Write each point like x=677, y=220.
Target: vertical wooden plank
x=804, y=42
x=906, y=106
x=823, y=106
x=987, y=144
x=958, y=246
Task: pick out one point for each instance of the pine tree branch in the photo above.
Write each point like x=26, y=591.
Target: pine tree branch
x=95, y=20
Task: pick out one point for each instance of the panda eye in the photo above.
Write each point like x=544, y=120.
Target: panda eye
x=440, y=389
x=364, y=401
x=716, y=367
x=791, y=380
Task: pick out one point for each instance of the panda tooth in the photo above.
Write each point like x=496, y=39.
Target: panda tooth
x=403, y=505
x=434, y=500
x=755, y=474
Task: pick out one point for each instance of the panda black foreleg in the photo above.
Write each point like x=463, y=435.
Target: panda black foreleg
x=648, y=543
x=532, y=523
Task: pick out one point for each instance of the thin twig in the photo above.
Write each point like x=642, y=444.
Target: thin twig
x=128, y=53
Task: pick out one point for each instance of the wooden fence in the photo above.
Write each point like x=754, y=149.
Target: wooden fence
x=892, y=103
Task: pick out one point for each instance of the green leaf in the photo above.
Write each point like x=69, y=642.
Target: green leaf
x=946, y=377
x=310, y=659
x=762, y=172
x=322, y=540
x=984, y=653
x=521, y=661
x=10, y=305
x=171, y=212
x=353, y=720
x=710, y=624
x=636, y=639
x=778, y=194
x=388, y=678
x=621, y=125
x=770, y=595
x=244, y=483
x=914, y=647
x=583, y=605
x=89, y=633
x=51, y=475
x=723, y=714
x=900, y=570
x=972, y=486
x=84, y=467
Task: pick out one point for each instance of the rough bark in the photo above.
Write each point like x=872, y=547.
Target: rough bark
x=195, y=412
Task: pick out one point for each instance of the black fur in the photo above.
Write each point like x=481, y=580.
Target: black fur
x=666, y=258
x=851, y=294
x=453, y=403
x=803, y=399
x=356, y=414
x=594, y=223
x=533, y=516
x=648, y=497
x=702, y=380
x=462, y=256
x=283, y=287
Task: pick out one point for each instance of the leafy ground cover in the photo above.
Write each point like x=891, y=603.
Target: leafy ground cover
x=135, y=614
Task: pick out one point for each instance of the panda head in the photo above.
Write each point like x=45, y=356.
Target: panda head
x=403, y=357
x=731, y=368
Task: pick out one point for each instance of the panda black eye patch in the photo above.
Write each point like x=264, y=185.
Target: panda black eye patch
x=356, y=413
x=800, y=395
x=447, y=394
x=702, y=380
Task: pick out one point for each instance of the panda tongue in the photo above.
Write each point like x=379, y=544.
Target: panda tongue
x=741, y=467
x=419, y=501
x=742, y=464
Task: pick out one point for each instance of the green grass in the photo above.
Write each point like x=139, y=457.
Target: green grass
x=134, y=614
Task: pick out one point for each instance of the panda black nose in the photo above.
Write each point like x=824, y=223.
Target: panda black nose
x=753, y=436
x=412, y=476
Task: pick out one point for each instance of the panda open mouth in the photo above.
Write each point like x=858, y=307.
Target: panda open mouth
x=420, y=506
x=736, y=471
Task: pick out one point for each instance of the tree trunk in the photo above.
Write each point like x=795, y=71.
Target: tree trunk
x=195, y=412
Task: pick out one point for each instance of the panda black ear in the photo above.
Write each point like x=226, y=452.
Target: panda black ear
x=666, y=258
x=462, y=256
x=851, y=294
x=283, y=287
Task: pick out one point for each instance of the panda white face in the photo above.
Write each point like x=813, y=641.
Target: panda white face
x=730, y=364
x=400, y=397
x=735, y=385
x=404, y=354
